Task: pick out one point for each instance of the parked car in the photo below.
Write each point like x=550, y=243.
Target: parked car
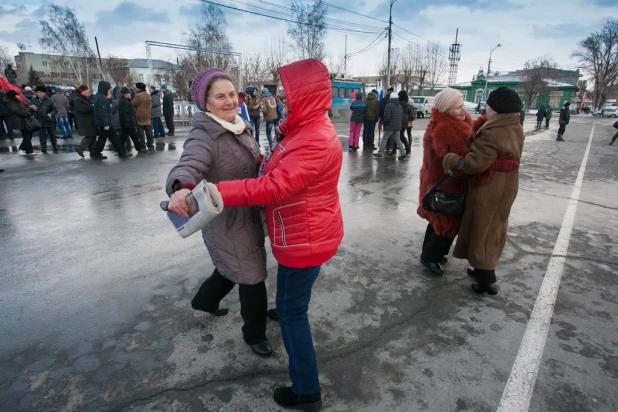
x=423, y=105
x=471, y=107
x=606, y=112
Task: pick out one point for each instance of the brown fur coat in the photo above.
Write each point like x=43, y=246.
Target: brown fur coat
x=494, y=153
x=444, y=134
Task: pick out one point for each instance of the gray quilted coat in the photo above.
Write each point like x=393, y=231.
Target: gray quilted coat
x=235, y=238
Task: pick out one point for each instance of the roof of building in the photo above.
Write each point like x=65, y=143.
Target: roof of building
x=156, y=64
x=556, y=78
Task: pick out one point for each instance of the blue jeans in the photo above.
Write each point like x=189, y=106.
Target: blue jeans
x=293, y=296
x=63, y=124
x=255, y=121
x=269, y=129
x=157, y=126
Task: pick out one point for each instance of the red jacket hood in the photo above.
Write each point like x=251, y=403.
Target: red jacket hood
x=307, y=81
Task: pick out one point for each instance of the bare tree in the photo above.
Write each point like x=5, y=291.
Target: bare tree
x=383, y=69
x=309, y=30
x=276, y=56
x=436, y=63
x=254, y=69
x=598, y=56
x=5, y=57
x=410, y=61
x=117, y=70
x=535, y=75
x=64, y=35
x=209, y=34
x=583, y=90
x=180, y=75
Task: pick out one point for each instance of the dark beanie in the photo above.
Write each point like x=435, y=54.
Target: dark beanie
x=11, y=94
x=41, y=89
x=504, y=100
x=125, y=90
x=140, y=86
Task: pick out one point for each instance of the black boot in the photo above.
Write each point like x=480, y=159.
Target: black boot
x=434, y=268
x=289, y=400
x=272, y=315
x=490, y=288
x=262, y=349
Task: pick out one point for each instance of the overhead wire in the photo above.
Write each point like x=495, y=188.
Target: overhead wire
x=374, y=43
x=353, y=12
x=345, y=30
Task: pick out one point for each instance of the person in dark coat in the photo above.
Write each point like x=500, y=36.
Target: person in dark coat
x=84, y=115
x=615, y=126
x=11, y=74
x=71, y=110
x=392, y=124
x=407, y=118
x=565, y=118
x=522, y=115
x=548, y=113
x=127, y=122
x=19, y=113
x=372, y=115
x=6, y=119
x=46, y=110
x=115, y=114
x=168, y=109
x=540, y=116
x=104, y=123
x=156, y=113
x=358, y=108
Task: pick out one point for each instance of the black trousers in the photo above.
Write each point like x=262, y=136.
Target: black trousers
x=406, y=142
x=44, y=134
x=547, y=123
x=369, y=132
x=562, y=129
x=145, y=130
x=109, y=134
x=88, y=143
x=130, y=132
x=253, y=304
x=169, y=123
x=435, y=246
x=8, y=121
x=615, y=137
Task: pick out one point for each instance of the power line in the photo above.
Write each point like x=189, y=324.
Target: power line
x=374, y=43
x=415, y=35
x=287, y=20
x=291, y=9
x=353, y=12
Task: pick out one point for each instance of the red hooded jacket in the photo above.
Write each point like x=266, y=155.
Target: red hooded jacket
x=299, y=186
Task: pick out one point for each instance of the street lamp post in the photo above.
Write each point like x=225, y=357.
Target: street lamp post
x=488, y=69
x=390, y=33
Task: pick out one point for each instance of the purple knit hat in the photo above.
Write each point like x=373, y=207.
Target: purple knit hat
x=200, y=84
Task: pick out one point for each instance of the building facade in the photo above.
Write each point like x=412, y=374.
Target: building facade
x=560, y=87
x=55, y=70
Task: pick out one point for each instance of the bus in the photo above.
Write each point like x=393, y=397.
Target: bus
x=342, y=93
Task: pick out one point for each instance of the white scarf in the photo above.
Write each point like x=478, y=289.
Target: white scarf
x=237, y=126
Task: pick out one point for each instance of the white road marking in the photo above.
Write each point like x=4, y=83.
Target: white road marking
x=520, y=385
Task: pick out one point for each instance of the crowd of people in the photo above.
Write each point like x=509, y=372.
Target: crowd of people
x=126, y=118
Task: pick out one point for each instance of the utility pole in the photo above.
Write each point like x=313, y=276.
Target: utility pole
x=390, y=35
x=488, y=69
x=454, y=57
x=345, y=57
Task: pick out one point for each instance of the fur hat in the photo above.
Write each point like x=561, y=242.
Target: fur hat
x=81, y=88
x=446, y=99
x=567, y=104
x=202, y=81
x=504, y=100
x=27, y=88
x=41, y=89
x=394, y=96
x=140, y=85
x=125, y=90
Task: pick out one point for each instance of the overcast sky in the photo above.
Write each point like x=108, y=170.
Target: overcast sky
x=526, y=29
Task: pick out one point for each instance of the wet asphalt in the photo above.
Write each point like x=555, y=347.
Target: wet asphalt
x=95, y=312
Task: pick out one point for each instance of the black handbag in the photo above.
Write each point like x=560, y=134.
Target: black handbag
x=33, y=124
x=444, y=202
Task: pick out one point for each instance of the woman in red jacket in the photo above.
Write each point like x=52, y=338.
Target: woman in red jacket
x=298, y=189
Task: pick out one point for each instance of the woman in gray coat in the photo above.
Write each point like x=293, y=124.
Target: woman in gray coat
x=221, y=147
